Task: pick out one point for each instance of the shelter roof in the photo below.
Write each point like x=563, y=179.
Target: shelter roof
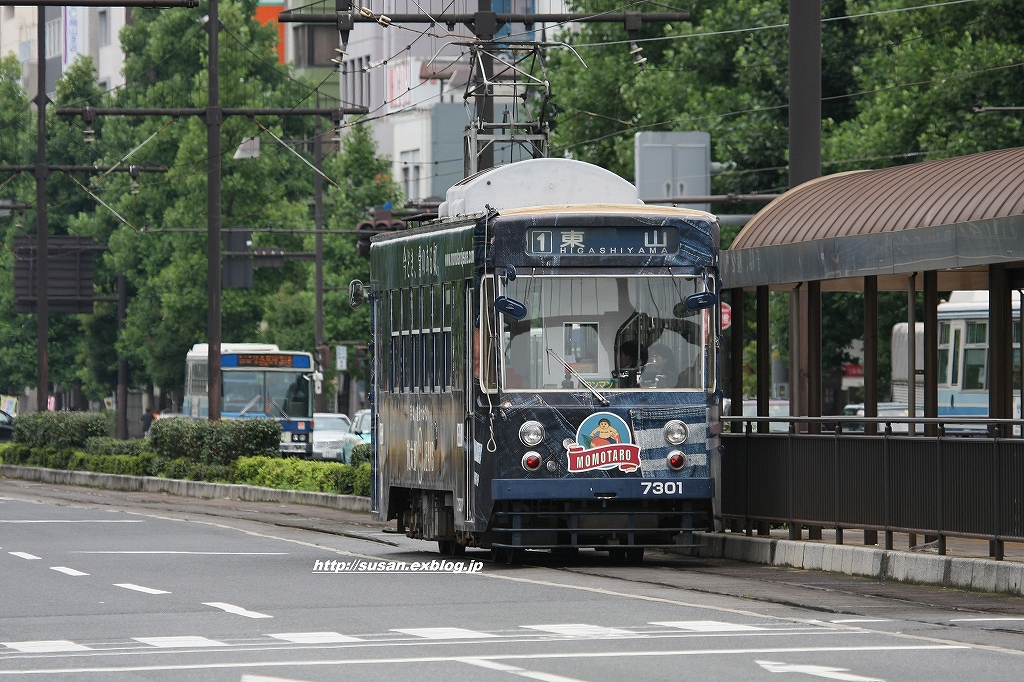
x=957, y=214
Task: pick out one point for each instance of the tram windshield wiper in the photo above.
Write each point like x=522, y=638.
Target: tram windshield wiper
x=570, y=370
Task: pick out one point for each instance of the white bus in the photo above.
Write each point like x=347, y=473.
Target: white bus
x=257, y=380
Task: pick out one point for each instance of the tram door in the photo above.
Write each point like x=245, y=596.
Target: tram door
x=469, y=391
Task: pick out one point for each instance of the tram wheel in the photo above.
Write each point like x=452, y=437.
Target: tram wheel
x=617, y=555
x=446, y=547
x=635, y=556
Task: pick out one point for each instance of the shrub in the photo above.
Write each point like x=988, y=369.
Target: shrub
x=297, y=474
x=218, y=443
x=59, y=429
x=13, y=453
x=105, y=445
x=360, y=454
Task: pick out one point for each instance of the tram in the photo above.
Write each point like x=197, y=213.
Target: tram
x=545, y=367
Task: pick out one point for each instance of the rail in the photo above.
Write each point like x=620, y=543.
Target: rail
x=950, y=481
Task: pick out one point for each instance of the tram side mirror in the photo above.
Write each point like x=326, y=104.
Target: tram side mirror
x=701, y=301
x=511, y=307
x=356, y=293
x=510, y=273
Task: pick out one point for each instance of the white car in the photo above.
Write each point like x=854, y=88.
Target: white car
x=328, y=432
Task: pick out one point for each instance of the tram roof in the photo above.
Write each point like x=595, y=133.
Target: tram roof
x=956, y=216
x=605, y=209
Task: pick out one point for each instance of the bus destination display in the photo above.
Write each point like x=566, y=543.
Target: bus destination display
x=264, y=360
x=602, y=241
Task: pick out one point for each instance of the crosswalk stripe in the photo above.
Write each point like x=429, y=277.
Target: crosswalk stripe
x=237, y=610
x=45, y=646
x=178, y=642
x=580, y=630
x=314, y=637
x=23, y=555
x=707, y=626
x=443, y=633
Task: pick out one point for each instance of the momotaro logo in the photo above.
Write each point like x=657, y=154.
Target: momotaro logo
x=603, y=441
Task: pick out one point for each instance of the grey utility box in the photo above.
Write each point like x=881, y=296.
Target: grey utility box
x=673, y=164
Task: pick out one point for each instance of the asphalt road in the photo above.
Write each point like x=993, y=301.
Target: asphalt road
x=99, y=585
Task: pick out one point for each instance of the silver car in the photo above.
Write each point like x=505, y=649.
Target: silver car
x=329, y=430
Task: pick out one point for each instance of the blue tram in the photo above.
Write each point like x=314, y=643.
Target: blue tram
x=545, y=366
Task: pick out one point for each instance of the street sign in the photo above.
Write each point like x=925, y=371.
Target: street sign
x=341, y=358
x=726, y=315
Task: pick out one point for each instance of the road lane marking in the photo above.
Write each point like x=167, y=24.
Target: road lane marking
x=45, y=646
x=67, y=571
x=167, y=551
x=706, y=626
x=981, y=620
x=72, y=521
x=861, y=620
x=23, y=555
x=263, y=678
x=825, y=671
x=314, y=637
x=140, y=588
x=237, y=610
x=498, y=657
x=178, y=642
x=580, y=630
x=443, y=633
x=494, y=665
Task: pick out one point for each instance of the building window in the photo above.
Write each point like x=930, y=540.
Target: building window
x=411, y=173
x=103, y=27
x=54, y=42
x=314, y=45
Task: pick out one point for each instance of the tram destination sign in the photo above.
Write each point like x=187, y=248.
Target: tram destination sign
x=602, y=241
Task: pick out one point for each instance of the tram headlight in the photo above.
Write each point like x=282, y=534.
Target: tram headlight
x=531, y=433
x=676, y=432
x=531, y=461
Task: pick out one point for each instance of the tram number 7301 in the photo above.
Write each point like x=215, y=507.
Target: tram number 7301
x=662, y=487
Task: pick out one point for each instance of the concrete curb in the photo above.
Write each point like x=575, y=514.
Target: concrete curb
x=200, y=489
x=983, y=575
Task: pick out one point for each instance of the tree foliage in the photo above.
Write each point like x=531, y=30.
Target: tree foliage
x=154, y=223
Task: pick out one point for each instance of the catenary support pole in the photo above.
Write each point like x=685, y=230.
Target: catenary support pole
x=122, y=361
x=42, y=226
x=213, y=168
x=318, y=218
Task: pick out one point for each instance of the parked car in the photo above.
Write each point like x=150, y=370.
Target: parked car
x=6, y=427
x=359, y=433
x=328, y=431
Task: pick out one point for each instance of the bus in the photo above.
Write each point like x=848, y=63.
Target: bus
x=257, y=380
x=545, y=367
x=963, y=358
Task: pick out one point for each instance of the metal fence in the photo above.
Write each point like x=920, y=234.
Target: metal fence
x=937, y=486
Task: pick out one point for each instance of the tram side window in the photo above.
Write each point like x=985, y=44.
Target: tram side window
x=414, y=337
x=1016, y=355
x=403, y=336
x=444, y=349
x=487, y=332
x=975, y=355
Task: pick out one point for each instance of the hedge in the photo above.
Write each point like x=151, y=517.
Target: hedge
x=360, y=454
x=218, y=443
x=272, y=472
x=106, y=445
x=60, y=429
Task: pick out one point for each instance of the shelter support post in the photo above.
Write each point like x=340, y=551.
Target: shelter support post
x=931, y=352
x=1000, y=302
x=814, y=354
x=871, y=358
x=736, y=361
x=797, y=362
x=912, y=351
x=764, y=368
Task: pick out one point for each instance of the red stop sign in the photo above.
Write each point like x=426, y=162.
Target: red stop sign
x=726, y=315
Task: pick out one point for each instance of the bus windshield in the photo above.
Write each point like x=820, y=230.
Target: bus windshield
x=612, y=332
x=275, y=394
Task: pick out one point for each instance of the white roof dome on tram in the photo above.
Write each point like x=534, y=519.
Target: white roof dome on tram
x=537, y=182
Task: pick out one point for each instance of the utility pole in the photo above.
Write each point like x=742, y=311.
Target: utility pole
x=213, y=169
x=318, y=222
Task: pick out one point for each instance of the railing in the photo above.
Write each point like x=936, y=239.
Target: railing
x=936, y=485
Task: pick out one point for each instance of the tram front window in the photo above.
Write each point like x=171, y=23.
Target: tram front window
x=614, y=332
